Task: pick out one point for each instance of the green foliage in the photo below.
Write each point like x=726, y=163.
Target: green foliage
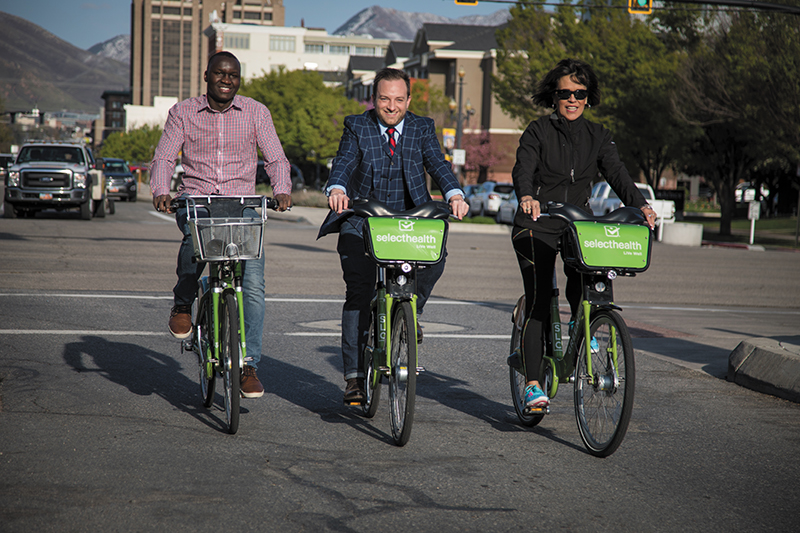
x=308, y=116
x=135, y=146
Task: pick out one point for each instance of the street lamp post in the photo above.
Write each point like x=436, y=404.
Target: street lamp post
x=460, y=117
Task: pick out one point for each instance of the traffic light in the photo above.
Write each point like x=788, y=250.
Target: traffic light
x=467, y=2
x=640, y=7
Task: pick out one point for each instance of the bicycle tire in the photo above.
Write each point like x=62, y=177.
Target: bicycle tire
x=372, y=383
x=517, y=376
x=229, y=359
x=203, y=347
x=403, y=378
x=603, y=404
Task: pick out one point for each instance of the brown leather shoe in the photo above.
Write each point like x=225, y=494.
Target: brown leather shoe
x=180, y=321
x=354, y=392
x=251, y=387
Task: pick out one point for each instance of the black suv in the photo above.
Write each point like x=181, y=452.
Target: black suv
x=54, y=175
x=120, y=181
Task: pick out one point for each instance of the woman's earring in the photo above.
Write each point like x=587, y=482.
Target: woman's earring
x=589, y=106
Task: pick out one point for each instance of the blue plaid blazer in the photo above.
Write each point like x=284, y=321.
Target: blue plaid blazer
x=363, y=152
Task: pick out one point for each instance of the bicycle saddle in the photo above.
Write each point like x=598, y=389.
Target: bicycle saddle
x=366, y=207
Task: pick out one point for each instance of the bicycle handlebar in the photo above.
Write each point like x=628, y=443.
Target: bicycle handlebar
x=573, y=213
x=244, y=201
x=367, y=207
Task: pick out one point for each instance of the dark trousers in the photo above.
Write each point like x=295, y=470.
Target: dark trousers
x=360, y=273
x=536, y=254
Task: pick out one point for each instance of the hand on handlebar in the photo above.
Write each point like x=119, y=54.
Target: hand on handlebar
x=530, y=207
x=163, y=203
x=338, y=201
x=649, y=216
x=284, y=202
x=459, y=207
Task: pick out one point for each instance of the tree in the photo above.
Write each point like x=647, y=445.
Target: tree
x=481, y=154
x=308, y=116
x=741, y=62
x=429, y=101
x=135, y=146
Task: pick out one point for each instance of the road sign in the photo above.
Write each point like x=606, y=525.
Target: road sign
x=754, y=211
x=640, y=7
x=467, y=2
x=459, y=156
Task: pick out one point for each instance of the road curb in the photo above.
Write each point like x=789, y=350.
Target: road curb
x=767, y=365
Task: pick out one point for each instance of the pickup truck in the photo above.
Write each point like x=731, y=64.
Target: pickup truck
x=55, y=175
x=604, y=200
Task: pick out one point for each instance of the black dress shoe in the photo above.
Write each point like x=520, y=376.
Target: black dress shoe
x=354, y=392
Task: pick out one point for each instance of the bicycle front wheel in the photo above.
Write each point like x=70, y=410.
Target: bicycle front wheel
x=229, y=359
x=604, y=397
x=203, y=346
x=516, y=371
x=403, y=379
x=372, y=380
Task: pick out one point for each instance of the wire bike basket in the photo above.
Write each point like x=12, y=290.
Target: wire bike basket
x=221, y=232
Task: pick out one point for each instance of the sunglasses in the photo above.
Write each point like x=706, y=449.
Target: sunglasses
x=564, y=94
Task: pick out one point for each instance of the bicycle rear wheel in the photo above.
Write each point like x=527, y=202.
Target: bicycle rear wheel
x=203, y=346
x=403, y=379
x=229, y=359
x=372, y=381
x=604, y=399
x=516, y=373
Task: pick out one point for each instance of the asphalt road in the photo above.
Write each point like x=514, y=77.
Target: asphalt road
x=102, y=428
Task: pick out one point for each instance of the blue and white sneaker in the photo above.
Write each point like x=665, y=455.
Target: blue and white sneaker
x=535, y=398
x=593, y=344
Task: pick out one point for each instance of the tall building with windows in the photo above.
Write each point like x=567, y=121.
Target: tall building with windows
x=168, y=49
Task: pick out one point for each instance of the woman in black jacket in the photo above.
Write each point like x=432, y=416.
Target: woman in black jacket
x=558, y=157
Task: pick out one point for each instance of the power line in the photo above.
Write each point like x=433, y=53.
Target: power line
x=738, y=5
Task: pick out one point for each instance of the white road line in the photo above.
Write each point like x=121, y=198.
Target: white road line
x=81, y=332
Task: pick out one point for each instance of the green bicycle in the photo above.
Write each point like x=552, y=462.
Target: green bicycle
x=400, y=243
x=598, y=357
x=226, y=230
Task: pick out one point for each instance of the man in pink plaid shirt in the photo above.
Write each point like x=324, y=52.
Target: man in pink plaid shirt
x=218, y=134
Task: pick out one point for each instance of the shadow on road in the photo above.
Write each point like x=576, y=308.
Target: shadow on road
x=143, y=372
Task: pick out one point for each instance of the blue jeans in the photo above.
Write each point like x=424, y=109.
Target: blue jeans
x=359, y=273
x=189, y=272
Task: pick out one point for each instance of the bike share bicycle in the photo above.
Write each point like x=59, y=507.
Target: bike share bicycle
x=400, y=243
x=598, y=357
x=226, y=230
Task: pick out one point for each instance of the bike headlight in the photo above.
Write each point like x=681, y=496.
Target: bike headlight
x=13, y=178
x=402, y=280
x=80, y=180
x=600, y=286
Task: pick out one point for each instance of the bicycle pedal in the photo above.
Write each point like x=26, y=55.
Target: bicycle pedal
x=420, y=369
x=537, y=410
x=354, y=404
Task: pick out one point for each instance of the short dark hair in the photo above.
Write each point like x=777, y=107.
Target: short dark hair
x=576, y=69
x=390, y=74
x=219, y=55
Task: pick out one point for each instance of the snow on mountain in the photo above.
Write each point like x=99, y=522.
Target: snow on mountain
x=118, y=48
x=386, y=23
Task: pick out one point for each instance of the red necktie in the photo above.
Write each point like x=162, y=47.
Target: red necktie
x=392, y=142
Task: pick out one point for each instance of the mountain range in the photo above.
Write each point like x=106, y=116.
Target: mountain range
x=37, y=69
x=387, y=23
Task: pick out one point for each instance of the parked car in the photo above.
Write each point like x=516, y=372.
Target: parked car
x=120, y=182
x=505, y=215
x=487, y=198
x=604, y=200
x=746, y=192
x=6, y=160
x=298, y=181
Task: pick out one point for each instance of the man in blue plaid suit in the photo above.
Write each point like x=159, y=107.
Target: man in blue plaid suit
x=383, y=154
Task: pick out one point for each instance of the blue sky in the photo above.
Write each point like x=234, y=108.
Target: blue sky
x=85, y=23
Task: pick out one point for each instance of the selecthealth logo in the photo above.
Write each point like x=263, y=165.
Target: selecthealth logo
x=612, y=241
x=405, y=226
